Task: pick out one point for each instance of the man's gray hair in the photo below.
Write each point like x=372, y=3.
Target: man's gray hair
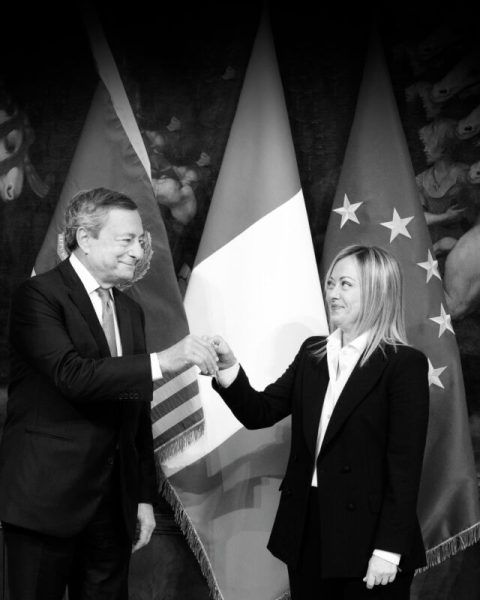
x=89, y=209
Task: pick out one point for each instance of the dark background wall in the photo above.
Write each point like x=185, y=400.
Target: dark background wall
x=183, y=65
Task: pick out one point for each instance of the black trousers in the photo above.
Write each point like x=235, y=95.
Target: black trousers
x=305, y=583
x=93, y=564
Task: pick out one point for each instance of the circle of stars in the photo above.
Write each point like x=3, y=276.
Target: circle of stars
x=398, y=227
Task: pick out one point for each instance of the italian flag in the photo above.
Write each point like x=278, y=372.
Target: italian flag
x=255, y=282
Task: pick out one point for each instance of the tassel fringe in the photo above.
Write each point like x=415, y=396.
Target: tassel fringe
x=183, y=521
x=452, y=546
x=435, y=556
x=194, y=542
x=179, y=443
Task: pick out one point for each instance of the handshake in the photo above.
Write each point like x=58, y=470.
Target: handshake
x=210, y=353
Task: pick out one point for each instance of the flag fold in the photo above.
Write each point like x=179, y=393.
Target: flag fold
x=110, y=153
x=255, y=282
x=376, y=203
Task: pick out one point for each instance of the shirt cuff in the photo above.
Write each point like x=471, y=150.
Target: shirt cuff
x=392, y=557
x=156, y=369
x=227, y=376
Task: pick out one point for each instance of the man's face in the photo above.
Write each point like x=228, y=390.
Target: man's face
x=112, y=256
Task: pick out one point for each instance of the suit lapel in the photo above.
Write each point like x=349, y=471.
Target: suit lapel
x=360, y=382
x=78, y=295
x=314, y=385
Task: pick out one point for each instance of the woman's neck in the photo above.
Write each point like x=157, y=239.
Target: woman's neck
x=347, y=337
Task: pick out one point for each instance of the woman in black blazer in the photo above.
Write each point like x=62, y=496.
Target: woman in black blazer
x=346, y=525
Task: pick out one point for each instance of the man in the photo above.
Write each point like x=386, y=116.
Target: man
x=76, y=458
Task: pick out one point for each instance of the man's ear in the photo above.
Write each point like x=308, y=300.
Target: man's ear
x=83, y=239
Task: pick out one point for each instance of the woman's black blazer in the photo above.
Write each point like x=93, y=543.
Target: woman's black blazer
x=370, y=462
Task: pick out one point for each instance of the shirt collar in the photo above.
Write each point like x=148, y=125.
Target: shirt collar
x=334, y=341
x=88, y=280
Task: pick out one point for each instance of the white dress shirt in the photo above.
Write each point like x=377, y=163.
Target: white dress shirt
x=341, y=361
x=91, y=285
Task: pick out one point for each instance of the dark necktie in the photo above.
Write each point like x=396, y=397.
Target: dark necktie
x=108, y=322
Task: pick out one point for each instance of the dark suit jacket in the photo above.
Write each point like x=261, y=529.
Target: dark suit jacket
x=72, y=408
x=370, y=461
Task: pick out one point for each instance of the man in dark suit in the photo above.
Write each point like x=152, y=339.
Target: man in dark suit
x=76, y=459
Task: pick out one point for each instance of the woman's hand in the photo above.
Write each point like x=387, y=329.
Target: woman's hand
x=191, y=350
x=379, y=572
x=226, y=357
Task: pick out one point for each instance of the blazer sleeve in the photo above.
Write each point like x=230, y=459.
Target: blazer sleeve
x=39, y=335
x=408, y=399
x=258, y=409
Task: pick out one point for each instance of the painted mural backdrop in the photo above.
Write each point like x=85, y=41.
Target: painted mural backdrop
x=183, y=67
x=437, y=78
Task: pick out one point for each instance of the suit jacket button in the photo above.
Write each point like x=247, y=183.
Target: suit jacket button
x=110, y=460
x=287, y=492
x=350, y=506
x=346, y=469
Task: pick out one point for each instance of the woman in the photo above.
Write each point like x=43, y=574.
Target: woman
x=346, y=525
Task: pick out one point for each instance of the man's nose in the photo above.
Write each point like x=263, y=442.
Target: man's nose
x=136, y=249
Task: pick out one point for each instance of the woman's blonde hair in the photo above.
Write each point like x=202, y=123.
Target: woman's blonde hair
x=381, y=288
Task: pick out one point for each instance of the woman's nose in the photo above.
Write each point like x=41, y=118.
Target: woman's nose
x=332, y=294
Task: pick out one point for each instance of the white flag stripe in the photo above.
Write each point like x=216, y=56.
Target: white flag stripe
x=255, y=282
x=175, y=416
x=173, y=386
x=263, y=277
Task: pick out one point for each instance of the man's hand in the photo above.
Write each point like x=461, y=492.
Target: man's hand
x=192, y=350
x=379, y=572
x=146, y=521
x=225, y=356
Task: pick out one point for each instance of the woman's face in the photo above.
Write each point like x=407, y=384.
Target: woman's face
x=343, y=295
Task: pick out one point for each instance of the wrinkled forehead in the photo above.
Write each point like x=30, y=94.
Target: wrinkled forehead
x=120, y=221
